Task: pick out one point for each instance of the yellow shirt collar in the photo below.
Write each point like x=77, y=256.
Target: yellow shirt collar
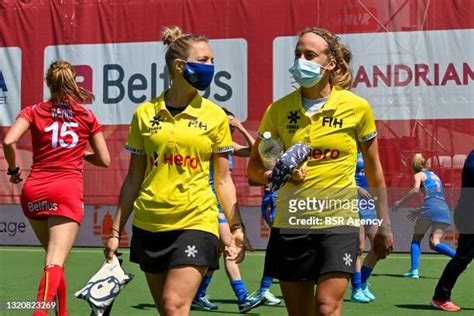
x=192, y=109
x=330, y=105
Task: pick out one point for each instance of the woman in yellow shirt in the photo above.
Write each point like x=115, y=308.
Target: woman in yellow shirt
x=172, y=139
x=315, y=233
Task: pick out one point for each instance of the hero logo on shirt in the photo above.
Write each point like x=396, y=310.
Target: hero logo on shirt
x=176, y=160
x=324, y=153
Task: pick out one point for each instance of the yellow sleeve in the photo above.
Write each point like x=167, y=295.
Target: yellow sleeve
x=134, y=142
x=222, y=139
x=268, y=123
x=365, y=122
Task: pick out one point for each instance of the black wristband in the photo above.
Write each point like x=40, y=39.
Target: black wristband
x=115, y=230
x=14, y=171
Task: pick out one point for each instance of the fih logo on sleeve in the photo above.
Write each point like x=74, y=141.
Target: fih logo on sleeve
x=124, y=75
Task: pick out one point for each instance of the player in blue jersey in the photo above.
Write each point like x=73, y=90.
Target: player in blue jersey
x=245, y=300
x=434, y=214
x=360, y=289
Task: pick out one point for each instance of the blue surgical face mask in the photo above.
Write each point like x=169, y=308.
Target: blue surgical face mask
x=306, y=73
x=198, y=75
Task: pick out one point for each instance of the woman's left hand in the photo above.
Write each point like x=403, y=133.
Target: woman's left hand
x=298, y=176
x=383, y=242
x=236, y=123
x=16, y=178
x=236, y=250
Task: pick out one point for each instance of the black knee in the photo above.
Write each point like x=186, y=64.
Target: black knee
x=461, y=261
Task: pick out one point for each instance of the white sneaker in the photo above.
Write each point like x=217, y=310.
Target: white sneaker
x=412, y=274
x=270, y=298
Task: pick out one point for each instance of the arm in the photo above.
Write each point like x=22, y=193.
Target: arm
x=128, y=194
x=18, y=129
x=419, y=178
x=100, y=155
x=225, y=188
x=240, y=150
x=374, y=173
x=256, y=172
x=226, y=194
x=375, y=178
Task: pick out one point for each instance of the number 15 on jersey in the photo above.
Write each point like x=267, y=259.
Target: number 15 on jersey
x=59, y=134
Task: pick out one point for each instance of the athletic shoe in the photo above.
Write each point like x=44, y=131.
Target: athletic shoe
x=447, y=306
x=359, y=297
x=413, y=274
x=203, y=303
x=251, y=301
x=367, y=293
x=270, y=299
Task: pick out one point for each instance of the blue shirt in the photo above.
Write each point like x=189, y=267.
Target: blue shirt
x=360, y=178
x=432, y=187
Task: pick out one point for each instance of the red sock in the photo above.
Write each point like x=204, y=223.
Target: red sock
x=62, y=296
x=48, y=286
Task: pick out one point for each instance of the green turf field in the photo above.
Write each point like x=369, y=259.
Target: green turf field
x=21, y=267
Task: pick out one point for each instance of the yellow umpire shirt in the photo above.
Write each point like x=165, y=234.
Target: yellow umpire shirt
x=175, y=193
x=327, y=196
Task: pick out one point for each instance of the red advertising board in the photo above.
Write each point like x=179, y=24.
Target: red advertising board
x=412, y=60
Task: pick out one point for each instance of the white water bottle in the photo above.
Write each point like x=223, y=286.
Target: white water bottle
x=269, y=150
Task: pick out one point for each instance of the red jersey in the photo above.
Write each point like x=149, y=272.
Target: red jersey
x=60, y=132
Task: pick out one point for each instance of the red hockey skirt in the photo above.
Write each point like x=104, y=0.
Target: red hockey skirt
x=58, y=193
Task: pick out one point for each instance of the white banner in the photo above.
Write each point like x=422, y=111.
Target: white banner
x=16, y=230
x=124, y=75
x=404, y=75
x=10, y=84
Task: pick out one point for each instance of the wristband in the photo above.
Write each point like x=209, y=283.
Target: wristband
x=116, y=230
x=14, y=171
x=113, y=236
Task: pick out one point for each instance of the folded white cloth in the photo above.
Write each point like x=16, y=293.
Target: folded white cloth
x=101, y=290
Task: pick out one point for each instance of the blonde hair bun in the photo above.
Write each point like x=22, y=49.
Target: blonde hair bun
x=419, y=163
x=170, y=34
